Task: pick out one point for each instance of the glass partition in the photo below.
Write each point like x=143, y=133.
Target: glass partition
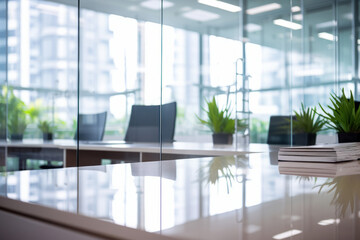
x=119, y=81
x=257, y=59
x=201, y=47
x=3, y=82
x=107, y=82
x=38, y=81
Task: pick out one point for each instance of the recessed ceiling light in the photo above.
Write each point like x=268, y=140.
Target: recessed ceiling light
x=298, y=17
x=329, y=222
x=295, y=9
x=185, y=9
x=287, y=24
x=251, y=27
x=200, y=15
x=221, y=5
x=326, y=36
x=133, y=8
x=48, y=8
x=156, y=4
x=263, y=8
x=287, y=234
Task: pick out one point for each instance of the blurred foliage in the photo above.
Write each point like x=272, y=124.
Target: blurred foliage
x=345, y=189
x=224, y=167
x=258, y=130
x=17, y=116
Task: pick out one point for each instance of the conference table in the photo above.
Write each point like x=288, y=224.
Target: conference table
x=92, y=152
x=223, y=197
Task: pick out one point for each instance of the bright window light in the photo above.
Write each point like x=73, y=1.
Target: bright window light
x=295, y=9
x=263, y=8
x=329, y=222
x=221, y=5
x=326, y=36
x=287, y=24
x=287, y=234
x=200, y=15
x=156, y=4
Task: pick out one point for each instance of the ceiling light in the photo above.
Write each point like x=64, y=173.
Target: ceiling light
x=295, y=9
x=287, y=234
x=200, y=15
x=251, y=27
x=47, y=7
x=185, y=9
x=326, y=36
x=156, y=4
x=329, y=222
x=287, y=24
x=298, y=17
x=263, y=8
x=222, y=5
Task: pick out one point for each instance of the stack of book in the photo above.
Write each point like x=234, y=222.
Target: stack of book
x=310, y=169
x=321, y=153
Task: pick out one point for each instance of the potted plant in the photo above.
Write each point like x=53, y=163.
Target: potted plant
x=343, y=117
x=47, y=129
x=221, y=124
x=306, y=125
x=17, y=121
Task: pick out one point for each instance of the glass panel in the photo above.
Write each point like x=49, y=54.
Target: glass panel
x=120, y=80
x=42, y=77
x=300, y=53
x=120, y=94
x=3, y=82
x=201, y=46
x=269, y=57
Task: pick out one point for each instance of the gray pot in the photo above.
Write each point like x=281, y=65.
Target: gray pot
x=222, y=138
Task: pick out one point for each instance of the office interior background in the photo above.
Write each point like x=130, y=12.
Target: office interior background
x=62, y=58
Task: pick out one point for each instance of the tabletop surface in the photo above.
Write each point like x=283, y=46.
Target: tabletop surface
x=243, y=197
x=197, y=148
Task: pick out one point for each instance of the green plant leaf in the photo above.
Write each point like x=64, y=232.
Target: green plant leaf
x=220, y=121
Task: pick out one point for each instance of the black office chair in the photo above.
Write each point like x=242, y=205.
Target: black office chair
x=144, y=124
x=91, y=127
x=279, y=130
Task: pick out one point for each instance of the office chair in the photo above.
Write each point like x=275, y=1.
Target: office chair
x=144, y=124
x=279, y=130
x=91, y=127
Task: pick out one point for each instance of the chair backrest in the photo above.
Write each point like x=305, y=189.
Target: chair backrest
x=279, y=130
x=91, y=127
x=144, y=124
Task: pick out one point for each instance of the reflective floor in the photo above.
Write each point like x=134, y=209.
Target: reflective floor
x=243, y=197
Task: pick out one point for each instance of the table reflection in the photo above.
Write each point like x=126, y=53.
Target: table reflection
x=242, y=197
